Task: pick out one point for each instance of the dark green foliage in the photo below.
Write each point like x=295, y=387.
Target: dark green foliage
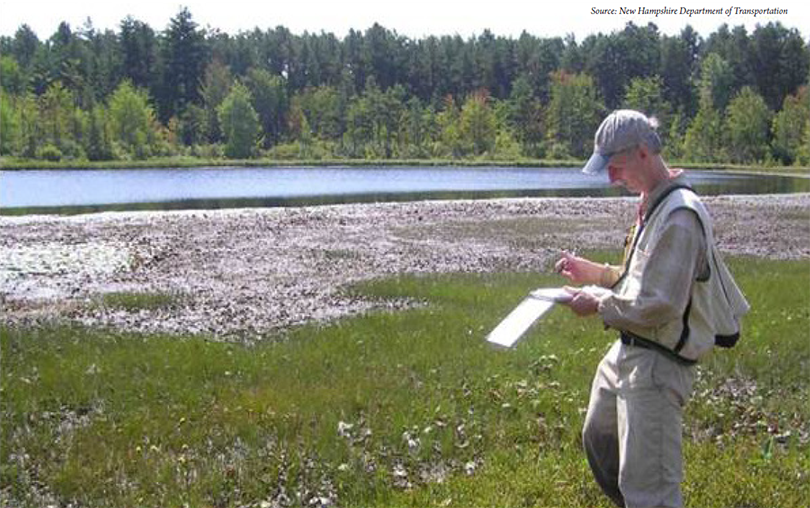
x=270, y=101
x=679, y=62
x=12, y=79
x=789, y=127
x=614, y=60
x=185, y=53
x=139, y=58
x=378, y=94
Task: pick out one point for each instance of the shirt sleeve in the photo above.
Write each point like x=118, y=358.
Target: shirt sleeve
x=610, y=275
x=666, y=284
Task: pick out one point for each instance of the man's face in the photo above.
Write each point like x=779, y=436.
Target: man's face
x=623, y=169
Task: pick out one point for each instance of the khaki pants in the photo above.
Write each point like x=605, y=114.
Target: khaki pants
x=632, y=433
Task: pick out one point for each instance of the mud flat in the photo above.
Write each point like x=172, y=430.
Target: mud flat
x=239, y=274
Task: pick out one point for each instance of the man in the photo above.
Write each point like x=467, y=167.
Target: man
x=672, y=299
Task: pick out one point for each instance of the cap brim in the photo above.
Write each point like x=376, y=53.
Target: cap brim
x=596, y=164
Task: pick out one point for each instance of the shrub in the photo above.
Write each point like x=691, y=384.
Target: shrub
x=50, y=152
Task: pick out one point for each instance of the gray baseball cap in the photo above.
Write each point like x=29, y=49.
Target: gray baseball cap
x=621, y=130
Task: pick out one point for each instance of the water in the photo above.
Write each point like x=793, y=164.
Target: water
x=91, y=190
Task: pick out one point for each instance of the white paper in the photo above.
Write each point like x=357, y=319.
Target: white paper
x=559, y=295
x=534, y=306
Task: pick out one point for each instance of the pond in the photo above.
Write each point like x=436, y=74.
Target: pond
x=73, y=191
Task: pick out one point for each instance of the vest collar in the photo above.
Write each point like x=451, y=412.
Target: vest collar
x=653, y=199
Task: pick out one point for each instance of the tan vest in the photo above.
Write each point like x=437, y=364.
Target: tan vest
x=716, y=304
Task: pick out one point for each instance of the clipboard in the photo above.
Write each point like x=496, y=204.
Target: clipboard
x=532, y=308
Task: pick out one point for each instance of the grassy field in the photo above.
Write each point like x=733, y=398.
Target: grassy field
x=410, y=408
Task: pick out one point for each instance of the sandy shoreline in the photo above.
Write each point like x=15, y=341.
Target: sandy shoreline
x=245, y=272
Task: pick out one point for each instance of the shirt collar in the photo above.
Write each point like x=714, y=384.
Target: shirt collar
x=676, y=177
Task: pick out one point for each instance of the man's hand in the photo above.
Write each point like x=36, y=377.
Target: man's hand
x=583, y=303
x=579, y=270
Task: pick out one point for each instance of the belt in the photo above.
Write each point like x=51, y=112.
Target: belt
x=629, y=339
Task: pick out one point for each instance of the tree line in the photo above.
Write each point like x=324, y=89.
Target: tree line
x=137, y=93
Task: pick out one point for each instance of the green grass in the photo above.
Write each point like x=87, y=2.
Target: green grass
x=406, y=408
x=135, y=301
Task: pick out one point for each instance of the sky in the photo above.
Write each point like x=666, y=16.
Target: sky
x=412, y=18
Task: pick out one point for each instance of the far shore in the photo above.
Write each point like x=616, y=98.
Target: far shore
x=10, y=164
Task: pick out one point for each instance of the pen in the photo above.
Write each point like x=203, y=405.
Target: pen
x=561, y=265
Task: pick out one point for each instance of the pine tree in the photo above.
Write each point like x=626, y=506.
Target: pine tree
x=185, y=54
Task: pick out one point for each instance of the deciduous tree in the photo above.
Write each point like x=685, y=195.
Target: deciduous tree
x=215, y=87
x=240, y=123
x=704, y=141
x=573, y=114
x=9, y=128
x=716, y=80
x=131, y=118
x=270, y=101
x=55, y=109
x=477, y=125
x=789, y=126
x=748, y=125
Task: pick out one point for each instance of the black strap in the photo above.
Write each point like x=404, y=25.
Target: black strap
x=630, y=339
x=685, y=330
x=726, y=341
x=664, y=196
x=644, y=221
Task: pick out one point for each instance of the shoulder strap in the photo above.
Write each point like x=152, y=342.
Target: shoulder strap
x=653, y=207
x=655, y=204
